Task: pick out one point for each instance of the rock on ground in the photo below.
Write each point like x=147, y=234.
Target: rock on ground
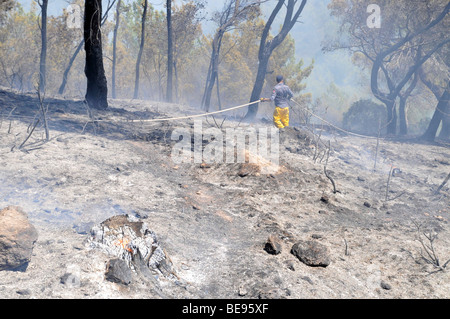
x=17, y=237
x=311, y=253
x=273, y=245
x=118, y=271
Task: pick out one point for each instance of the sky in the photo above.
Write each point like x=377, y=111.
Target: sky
x=314, y=26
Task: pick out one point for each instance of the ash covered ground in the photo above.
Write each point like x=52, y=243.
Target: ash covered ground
x=214, y=220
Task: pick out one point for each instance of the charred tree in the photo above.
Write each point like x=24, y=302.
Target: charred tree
x=419, y=27
x=394, y=89
x=267, y=46
x=141, y=49
x=114, y=61
x=402, y=109
x=169, y=52
x=69, y=66
x=97, y=89
x=62, y=87
x=43, y=58
x=442, y=110
x=233, y=13
x=213, y=70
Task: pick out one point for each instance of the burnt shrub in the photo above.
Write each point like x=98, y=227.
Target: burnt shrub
x=364, y=117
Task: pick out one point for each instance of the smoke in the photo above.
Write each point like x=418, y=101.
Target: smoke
x=45, y=210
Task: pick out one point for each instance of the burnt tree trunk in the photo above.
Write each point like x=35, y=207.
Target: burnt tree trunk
x=403, y=118
x=69, y=66
x=445, y=130
x=402, y=109
x=213, y=70
x=391, y=117
x=97, y=89
x=175, y=70
x=394, y=90
x=141, y=49
x=232, y=14
x=266, y=47
x=169, y=52
x=114, y=61
x=259, y=84
x=75, y=54
x=441, y=111
x=43, y=57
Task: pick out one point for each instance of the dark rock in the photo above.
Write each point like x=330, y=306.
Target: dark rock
x=118, y=272
x=316, y=236
x=306, y=278
x=385, y=285
x=311, y=253
x=83, y=228
x=290, y=265
x=141, y=215
x=70, y=279
x=367, y=204
x=17, y=238
x=273, y=245
x=272, y=293
x=325, y=199
x=23, y=292
x=247, y=169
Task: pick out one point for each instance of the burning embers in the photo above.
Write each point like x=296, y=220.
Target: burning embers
x=130, y=239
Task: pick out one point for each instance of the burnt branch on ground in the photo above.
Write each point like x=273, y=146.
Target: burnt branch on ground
x=442, y=185
x=428, y=253
x=326, y=172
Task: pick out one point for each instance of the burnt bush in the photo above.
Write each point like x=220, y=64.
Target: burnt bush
x=364, y=117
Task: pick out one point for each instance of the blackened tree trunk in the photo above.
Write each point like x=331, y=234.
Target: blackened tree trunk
x=69, y=66
x=394, y=89
x=62, y=87
x=233, y=13
x=402, y=109
x=169, y=52
x=437, y=92
x=213, y=70
x=442, y=110
x=141, y=49
x=445, y=131
x=391, y=117
x=97, y=89
x=259, y=84
x=114, y=61
x=267, y=46
x=43, y=57
x=403, y=118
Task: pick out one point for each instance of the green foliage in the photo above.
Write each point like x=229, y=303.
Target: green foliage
x=19, y=49
x=365, y=117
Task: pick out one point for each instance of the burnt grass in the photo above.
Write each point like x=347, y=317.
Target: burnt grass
x=214, y=220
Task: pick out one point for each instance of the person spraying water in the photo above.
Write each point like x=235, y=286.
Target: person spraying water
x=281, y=95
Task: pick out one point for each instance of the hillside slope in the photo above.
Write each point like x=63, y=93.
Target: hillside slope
x=214, y=220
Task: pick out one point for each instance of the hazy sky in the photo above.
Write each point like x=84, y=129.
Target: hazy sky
x=315, y=24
